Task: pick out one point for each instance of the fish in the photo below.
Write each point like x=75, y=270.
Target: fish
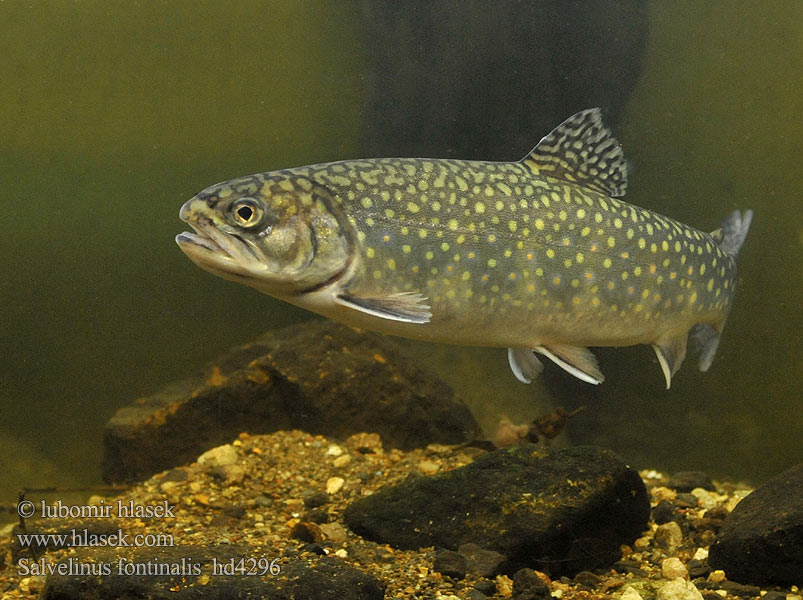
x=539, y=256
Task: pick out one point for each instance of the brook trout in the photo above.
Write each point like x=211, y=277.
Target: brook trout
x=536, y=256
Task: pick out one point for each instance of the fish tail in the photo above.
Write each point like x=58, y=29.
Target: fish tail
x=733, y=231
x=730, y=236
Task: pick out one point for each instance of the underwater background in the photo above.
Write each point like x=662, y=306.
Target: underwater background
x=113, y=114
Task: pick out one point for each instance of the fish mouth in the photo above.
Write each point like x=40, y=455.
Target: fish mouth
x=219, y=252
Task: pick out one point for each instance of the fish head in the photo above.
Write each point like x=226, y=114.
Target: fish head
x=280, y=233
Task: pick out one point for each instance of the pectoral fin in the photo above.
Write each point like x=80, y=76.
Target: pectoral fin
x=576, y=360
x=524, y=364
x=408, y=307
x=670, y=353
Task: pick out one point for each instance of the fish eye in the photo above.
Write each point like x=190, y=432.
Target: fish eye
x=246, y=212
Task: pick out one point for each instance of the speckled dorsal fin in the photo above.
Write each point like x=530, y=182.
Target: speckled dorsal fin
x=576, y=360
x=670, y=353
x=524, y=364
x=408, y=307
x=582, y=150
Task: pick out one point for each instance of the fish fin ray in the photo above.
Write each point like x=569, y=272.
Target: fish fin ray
x=733, y=231
x=706, y=338
x=670, y=353
x=524, y=364
x=576, y=360
x=407, y=307
x=583, y=151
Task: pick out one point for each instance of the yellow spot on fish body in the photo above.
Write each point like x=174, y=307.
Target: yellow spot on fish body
x=617, y=222
x=581, y=213
x=369, y=252
x=539, y=224
x=550, y=253
x=611, y=242
x=412, y=207
x=585, y=231
x=445, y=247
x=512, y=225
x=422, y=233
x=491, y=262
x=366, y=202
x=429, y=255
x=479, y=208
x=453, y=224
x=607, y=263
x=406, y=249
x=642, y=243
x=391, y=264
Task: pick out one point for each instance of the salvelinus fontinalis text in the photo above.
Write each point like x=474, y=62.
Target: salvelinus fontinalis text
x=538, y=256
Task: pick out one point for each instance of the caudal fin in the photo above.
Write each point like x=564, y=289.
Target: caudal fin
x=730, y=236
x=733, y=231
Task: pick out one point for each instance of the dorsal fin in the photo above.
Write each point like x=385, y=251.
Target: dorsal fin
x=582, y=150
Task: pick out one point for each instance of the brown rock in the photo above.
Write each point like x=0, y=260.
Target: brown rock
x=321, y=377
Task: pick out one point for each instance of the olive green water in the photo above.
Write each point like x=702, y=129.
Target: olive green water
x=112, y=116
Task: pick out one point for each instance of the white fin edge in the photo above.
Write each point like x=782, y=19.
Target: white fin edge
x=664, y=365
x=569, y=368
x=524, y=364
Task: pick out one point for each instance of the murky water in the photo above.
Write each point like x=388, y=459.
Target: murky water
x=113, y=116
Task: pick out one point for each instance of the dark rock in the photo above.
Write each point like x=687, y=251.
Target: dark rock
x=588, y=579
x=686, y=481
x=761, y=541
x=485, y=563
x=630, y=566
x=774, y=596
x=686, y=500
x=527, y=585
x=320, y=578
x=321, y=377
x=562, y=511
x=450, y=563
x=475, y=594
x=317, y=515
x=664, y=512
x=307, y=532
x=737, y=589
x=698, y=568
x=487, y=587
x=316, y=499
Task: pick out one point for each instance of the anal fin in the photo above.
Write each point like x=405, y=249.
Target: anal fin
x=576, y=360
x=524, y=364
x=407, y=307
x=706, y=339
x=670, y=352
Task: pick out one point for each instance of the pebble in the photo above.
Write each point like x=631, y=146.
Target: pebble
x=428, y=467
x=701, y=554
x=334, y=485
x=450, y=563
x=630, y=593
x=333, y=532
x=664, y=512
x=341, y=461
x=527, y=585
x=485, y=563
x=672, y=568
x=669, y=535
x=219, y=456
x=504, y=585
x=686, y=481
x=679, y=589
x=716, y=576
x=334, y=450
x=706, y=499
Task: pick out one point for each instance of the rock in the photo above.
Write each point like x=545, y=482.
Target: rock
x=191, y=577
x=669, y=535
x=672, y=568
x=686, y=481
x=698, y=568
x=321, y=377
x=316, y=499
x=686, y=500
x=630, y=593
x=220, y=456
x=664, y=512
x=761, y=541
x=562, y=511
x=588, y=579
x=334, y=485
x=307, y=532
x=679, y=589
x=527, y=585
x=485, y=563
x=450, y=563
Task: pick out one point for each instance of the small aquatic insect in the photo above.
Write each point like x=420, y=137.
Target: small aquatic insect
x=536, y=256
